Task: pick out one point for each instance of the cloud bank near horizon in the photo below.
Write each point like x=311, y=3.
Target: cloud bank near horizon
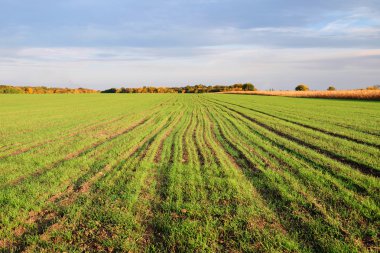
x=274, y=44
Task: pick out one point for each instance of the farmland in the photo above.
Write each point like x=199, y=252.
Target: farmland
x=370, y=94
x=186, y=172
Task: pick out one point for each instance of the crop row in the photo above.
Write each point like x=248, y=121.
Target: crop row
x=192, y=173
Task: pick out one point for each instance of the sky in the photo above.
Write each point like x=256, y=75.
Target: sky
x=274, y=44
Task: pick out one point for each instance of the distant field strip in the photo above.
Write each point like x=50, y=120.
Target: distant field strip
x=372, y=94
x=188, y=173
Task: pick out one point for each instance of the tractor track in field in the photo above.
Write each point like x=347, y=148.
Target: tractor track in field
x=145, y=219
x=147, y=216
x=262, y=149
x=348, y=183
x=157, y=157
x=240, y=165
x=139, y=154
x=47, y=218
x=76, y=186
x=81, y=131
x=198, y=148
x=365, y=169
x=228, y=155
x=316, y=208
x=171, y=159
x=204, y=143
x=348, y=127
x=208, y=143
x=76, y=154
x=270, y=193
x=284, y=164
x=185, y=144
x=151, y=140
x=172, y=147
x=242, y=158
x=345, y=137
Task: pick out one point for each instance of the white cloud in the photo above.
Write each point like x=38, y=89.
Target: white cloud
x=267, y=67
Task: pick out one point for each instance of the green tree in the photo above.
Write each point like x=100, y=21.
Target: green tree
x=10, y=89
x=331, y=88
x=112, y=90
x=248, y=87
x=302, y=87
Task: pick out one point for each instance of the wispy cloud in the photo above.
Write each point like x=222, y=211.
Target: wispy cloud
x=167, y=42
x=268, y=68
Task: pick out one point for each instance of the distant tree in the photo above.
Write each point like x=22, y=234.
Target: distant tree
x=189, y=89
x=237, y=87
x=217, y=88
x=28, y=90
x=302, y=87
x=112, y=90
x=123, y=90
x=41, y=90
x=248, y=87
x=10, y=89
x=151, y=90
x=331, y=88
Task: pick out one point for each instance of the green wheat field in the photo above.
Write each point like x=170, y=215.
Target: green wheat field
x=188, y=173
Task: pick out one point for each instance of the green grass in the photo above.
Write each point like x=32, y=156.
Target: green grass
x=188, y=173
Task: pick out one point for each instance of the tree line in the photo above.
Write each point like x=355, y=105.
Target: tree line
x=41, y=90
x=200, y=88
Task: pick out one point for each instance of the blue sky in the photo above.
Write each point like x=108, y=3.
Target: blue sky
x=114, y=43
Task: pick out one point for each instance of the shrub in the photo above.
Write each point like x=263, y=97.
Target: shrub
x=331, y=88
x=302, y=87
x=248, y=87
